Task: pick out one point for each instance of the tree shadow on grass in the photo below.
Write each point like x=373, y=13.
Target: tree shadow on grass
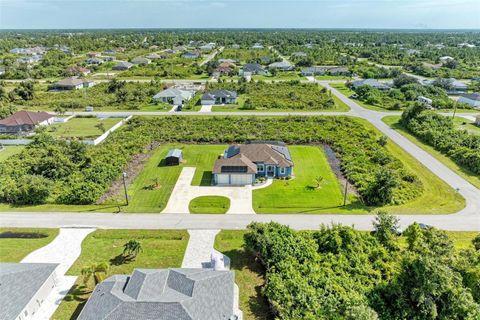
x=78, y=293
x=121, y=259
x=206, y=178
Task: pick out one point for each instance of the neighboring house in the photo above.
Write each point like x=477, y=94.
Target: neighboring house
x=72, y=83
x=24, y=287
x=174, y=157
x=242, y=164
x=141, y=60
x=339, y=71
x=370, y=82
x=252, y=69
x=219, y=97
x=299, y=54
x=93, y=54
x=223, y=71
x=265, y=60
x=164, y=294
x=155, y=56
x=445, y=59
x=424, y=100
x=110, y=52
x=95, y=61
x=283, y=66
x=25, y=121
x=191, y=55
x=122, y=65
x=207, y=47
x=228, y=61
x=472, y=99
x=323, y=70
x=78, y=71
x=235, y=46
x=257, y=46
x=174, y=96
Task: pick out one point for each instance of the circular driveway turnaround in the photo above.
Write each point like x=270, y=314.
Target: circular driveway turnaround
x=468, y=219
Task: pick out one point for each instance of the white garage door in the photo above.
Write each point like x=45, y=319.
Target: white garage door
x=223, y=179
x=241, y=179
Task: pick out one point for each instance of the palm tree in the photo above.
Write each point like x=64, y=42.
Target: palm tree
x=318, y=181
x=98, y=271
x=132, y=248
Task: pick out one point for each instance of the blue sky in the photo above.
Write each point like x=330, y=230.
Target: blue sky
x=434, y=14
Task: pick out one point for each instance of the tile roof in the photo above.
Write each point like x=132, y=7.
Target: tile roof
x=25, y=117
x=163, y=294
x=19, y=282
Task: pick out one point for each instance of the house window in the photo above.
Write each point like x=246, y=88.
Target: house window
x=260, y=167
x=282, y=170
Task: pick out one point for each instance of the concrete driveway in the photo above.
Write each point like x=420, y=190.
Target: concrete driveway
x=183, y=192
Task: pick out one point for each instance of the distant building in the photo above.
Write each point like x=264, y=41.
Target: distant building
x=424, y=100
x=370, y=82
x=174, y=157
x=252, y=69
x=283, y=66
x=174, y=96
x=24, y=287
x=95, y=61
x=191, y=55
x=122, y=65
x=165, y=294
x=472, y=99
x=141, y=61
x=257, y=46
x=25, y=121
x=72, y=83
x=325, y=70
x=222, y=96
x=78, y=71
x=299, y=54
x=445, y=59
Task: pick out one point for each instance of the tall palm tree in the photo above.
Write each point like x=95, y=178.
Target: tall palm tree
x=97, y=271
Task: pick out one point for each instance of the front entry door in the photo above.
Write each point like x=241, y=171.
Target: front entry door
x=270, y=171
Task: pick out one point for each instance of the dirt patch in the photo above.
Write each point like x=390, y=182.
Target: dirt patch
x=133, y=169
x=335, y=165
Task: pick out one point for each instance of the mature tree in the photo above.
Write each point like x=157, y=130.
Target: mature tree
x=381, y=189
x=25, y=90
x=386, y=229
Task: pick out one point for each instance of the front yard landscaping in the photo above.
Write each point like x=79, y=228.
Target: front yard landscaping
x=17, y=243
x=210, y=205
x=160, y=249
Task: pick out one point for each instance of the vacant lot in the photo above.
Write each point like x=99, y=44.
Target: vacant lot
x=161, y=249
x=82, y=127
x=8, y=151
x=245, y=55
x=16, y=243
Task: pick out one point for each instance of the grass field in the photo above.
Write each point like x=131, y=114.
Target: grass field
x=82, y=127
x=8, y=151
x=248, y=274
x=465, y=124
x=16, y=243
x=473, y=178
x=300, y=194
x=348, y=92
x=210, y=205
x=161, y=249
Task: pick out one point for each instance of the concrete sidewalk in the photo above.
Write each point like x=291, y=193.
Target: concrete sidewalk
x=64, y=250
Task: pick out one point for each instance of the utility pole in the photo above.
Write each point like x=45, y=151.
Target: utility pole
x=455, y=110
x=124, y=175
x=345, y=193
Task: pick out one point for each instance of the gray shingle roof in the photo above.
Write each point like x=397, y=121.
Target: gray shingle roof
x=19, y=282
x=221, y=93
x=471, y=96
x=177, y=153
x=163, y=294
x=369, y=82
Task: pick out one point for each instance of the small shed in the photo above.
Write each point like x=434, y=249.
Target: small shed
x=174, y=157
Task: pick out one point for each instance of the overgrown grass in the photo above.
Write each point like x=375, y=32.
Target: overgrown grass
x=348, y=92
x=17, y=243
x=209, y=204
x=248, y=274
x=161, y=249
x=393, y=121
x=9, y=151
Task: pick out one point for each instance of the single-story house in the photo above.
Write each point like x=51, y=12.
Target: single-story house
x=207, y=47
x=25, y=121
x=445, y=59
x=265, y=59
x=253, y=69
x=242, y=164
x=155, y=56
x=339, y=71
x=96, y=61
x=283, y=65
x=24, y=287
x=72, y=83
x=78, y=71
x=219, y=97
x=299, y=54
x=322, y=70
x=167, y=294
x=191, y=55
x=110, y=52
x=424, y=100
x=122, y=65
x=222, y=70
x=174, y=157
x=472, y=99
x=257, y=46
x=141, y=60
x=93, y=54
x=174, y=96
x=370, y=82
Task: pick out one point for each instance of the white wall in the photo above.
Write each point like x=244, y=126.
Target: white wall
x=32, y=307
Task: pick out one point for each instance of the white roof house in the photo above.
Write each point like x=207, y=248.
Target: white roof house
x=174, y=96
x=472, y=99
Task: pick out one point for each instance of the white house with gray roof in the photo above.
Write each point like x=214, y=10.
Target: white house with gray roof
x=24, y=287
x=174, y=96
x=283, y=65
x=472, y=99
x=370, y=82
x=164, y=294
x=218, y=97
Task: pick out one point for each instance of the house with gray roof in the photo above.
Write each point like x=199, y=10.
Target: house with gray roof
x=472, y=99
x=325, y=70
x=282, y=65
x=370, y=82
x=221, y=96
x=122, y=65
x=242, y=164
x=191, y=55
x=95, y=61
x=24, y=287
x=164, y=294
x=72, y=83
x=141, y=60
x=252, y=69
x=174, y=96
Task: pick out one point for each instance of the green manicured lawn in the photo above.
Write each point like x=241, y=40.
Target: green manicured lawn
x=82, y=127
x=473, y=178
x=300, y=194
x=151, y=189
x=161, y=249
x=16, y=243
x=8, y=151
x=210, y=205
x=248, y=275
x=465, y=124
